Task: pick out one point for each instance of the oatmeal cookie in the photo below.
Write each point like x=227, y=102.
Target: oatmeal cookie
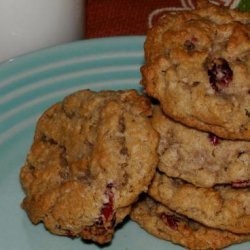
x=87, y=163
x=220, y=207
x=190, y=31
x=198, y=157
x=198, y=67
x=165, y=224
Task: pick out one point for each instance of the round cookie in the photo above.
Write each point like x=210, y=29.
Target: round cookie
x=220, y=207
x=198, y=67
x=198, y=157
x=165, y=224
x=194, y=28
x=87, y=163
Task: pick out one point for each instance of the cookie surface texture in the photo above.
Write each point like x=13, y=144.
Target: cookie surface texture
x=198, y=157
x=198, y=67
x=220, y=207
x=87, y=163
x=165, y=224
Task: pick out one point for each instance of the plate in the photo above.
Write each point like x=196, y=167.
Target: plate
x=30, y=84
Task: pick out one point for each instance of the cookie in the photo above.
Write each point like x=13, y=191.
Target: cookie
x=198, y=157
x=220, y=207
x=194, y=27
x=198, y=67
x=87, y=163
x=165, y=224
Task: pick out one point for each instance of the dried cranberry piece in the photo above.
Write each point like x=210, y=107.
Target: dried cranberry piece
x=170, y=220
x=110, y=185
x=190, y=44
x=220, y=73
x=107, y=211
x=241, y=184
x=214, y=139
x=70, y=234
x=107, y=218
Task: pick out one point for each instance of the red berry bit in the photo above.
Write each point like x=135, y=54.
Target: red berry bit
x=107, y=212
x=220, y=74
x=241, y=184
x=170, y=220
x=70, y=234
x=190, y=45
x=214, y=139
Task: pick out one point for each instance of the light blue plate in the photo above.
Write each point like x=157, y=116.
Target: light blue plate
x=29, y=85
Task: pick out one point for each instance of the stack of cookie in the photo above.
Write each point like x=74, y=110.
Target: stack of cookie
x=198, y=68
x=94, y=153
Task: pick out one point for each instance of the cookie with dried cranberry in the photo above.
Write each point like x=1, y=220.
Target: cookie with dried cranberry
x=190, y=32
x=221, y=207
x=87, y=163
x=198, y=67
x=198, y=157
x=166, y=224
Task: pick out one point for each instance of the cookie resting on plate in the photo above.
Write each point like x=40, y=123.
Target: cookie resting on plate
x=87, y=163
x=198, y=67
x=198, y=157
x=165, y=224
x=221, y=207
x=167, y=35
